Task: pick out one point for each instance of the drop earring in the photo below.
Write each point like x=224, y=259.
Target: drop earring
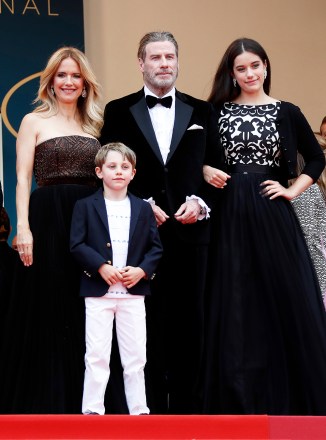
x=234, y=82
x=84, y=93
x=265, y=73
x=52, y=90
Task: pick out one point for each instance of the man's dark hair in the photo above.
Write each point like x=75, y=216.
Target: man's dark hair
x=154, y=37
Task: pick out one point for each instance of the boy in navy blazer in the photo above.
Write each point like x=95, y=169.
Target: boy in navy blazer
x=114, y=238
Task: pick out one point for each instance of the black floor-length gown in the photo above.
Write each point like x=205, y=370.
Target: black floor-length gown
x=266, y=333
x=42, y=359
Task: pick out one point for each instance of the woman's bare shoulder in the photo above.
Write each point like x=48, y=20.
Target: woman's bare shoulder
x=32, y=118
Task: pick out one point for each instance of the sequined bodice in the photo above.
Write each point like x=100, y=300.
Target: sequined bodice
x=249, y=135
x=66, y=159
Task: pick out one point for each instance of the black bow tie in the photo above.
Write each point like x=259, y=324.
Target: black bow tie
x=152, y=101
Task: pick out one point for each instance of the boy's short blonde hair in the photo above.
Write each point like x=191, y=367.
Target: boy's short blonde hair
x=126, y=152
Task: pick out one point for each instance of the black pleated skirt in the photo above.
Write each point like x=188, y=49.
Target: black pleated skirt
x=42, y=358
x=266, y=327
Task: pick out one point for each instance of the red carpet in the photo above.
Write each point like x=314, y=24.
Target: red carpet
x=133, y=427
x=154, y=427
x=297, y=428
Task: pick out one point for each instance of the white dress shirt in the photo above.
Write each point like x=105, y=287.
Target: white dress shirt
x=163, y=121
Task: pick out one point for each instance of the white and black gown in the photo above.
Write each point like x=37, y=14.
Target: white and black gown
x=266, y=330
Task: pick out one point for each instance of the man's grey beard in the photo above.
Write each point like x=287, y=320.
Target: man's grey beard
x=160, y=83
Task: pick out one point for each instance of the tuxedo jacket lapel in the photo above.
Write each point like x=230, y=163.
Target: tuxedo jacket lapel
x=141, y=115
x=182, y=117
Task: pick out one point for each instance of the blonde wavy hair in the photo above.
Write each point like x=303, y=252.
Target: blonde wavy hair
x=90, y=110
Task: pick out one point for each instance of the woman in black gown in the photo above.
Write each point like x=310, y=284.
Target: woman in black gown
x=42, y=358
x=266, y=333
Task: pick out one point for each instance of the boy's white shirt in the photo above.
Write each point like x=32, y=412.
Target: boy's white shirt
x=118, y=213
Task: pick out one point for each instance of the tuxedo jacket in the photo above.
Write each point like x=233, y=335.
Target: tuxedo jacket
x=195, y=142
x=90, y=243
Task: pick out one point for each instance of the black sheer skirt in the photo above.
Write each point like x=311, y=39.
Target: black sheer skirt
x=43, y=352
x=266, y=327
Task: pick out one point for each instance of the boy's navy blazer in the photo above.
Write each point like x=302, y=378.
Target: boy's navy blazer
x=90, y=243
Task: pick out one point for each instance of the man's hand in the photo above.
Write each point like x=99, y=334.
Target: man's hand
x=160, y=216
x=188, y=212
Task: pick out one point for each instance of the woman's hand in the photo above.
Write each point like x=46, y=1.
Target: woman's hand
x=215, y=177
x=25, y=246
x=273, y=189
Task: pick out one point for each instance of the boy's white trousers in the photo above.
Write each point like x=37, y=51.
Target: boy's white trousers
x=130, y=319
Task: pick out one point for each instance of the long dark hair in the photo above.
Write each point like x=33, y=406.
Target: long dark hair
x=223, y=89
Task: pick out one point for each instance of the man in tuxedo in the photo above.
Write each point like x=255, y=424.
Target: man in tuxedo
x=173, y=138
